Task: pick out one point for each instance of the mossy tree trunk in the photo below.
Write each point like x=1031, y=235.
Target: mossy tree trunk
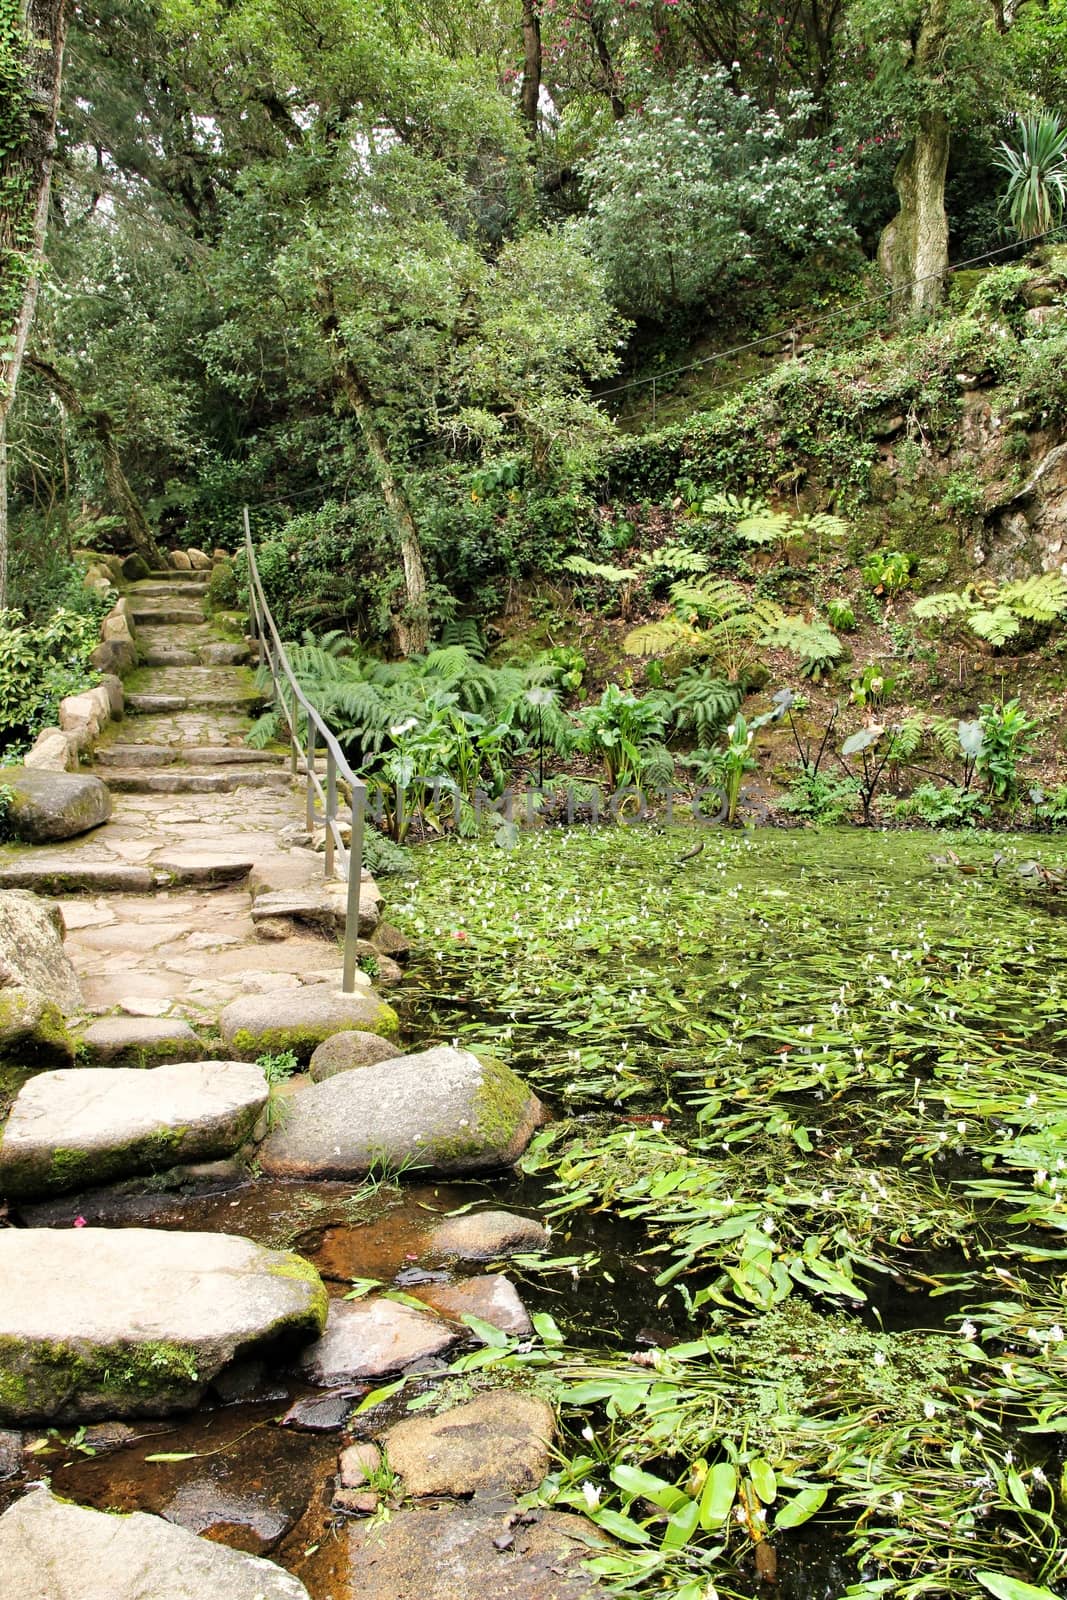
x=530, y=97
x=32, y=37
x=913, y=250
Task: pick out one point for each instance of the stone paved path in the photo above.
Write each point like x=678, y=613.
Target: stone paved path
x=191, y=802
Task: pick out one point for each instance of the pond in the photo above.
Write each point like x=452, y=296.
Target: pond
x=818, y=1079
x=803, y=1308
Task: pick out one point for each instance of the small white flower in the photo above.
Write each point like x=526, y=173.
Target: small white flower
x=929, y=1410
x=591, y=1495
x=1055, y=1334
x=879, y=1358
x=587, y=1433
x=967, y=1329
x=897, y=1499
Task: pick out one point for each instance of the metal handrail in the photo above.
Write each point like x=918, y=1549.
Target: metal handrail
x=272, y=654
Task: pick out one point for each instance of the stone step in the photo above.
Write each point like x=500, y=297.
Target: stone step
x=152, y=704
x=123, y=1322
x=164, y=615
x=221, y=780
x=169, y=656
x=84, y=1126
x=171, y=576
x=164, y=755
x=182, y=588
x=62, y=877
x=212, y=653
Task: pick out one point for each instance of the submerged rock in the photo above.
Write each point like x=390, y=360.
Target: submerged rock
x=51, y=1550
x=98, y=1322
x=370, y=1338
x=442, y=1111
x=487, y=1236
x=85, y=1126
x=493, y=1298
x=499, y=1441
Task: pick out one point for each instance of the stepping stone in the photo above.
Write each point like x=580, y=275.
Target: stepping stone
x=443, y=1111
x=53, y=1550
x=499, y=1441
x=133, y=755
x=61, y=877
x=370, y=1338
x=344, y=1052
x=84, y=1126
x=301, y=1020
x=458, y=1553
x=224, y=653
x=182, y=589
x=100, y=1322
x=138, y=1041
x=487, y=1236
x=493, y=1299
x=54, y=805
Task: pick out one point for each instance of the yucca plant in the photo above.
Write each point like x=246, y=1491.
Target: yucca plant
x=1037, y=174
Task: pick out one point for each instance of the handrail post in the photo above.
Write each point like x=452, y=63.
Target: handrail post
x=309, y=777
x=331, y=809
x=355, y=884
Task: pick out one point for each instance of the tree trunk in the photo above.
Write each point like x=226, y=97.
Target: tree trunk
x=913, y=250
x=413, y=626
x=607, y=67
x=119, y=488
x=530, y=97
x=31, y=51
x=122, y=495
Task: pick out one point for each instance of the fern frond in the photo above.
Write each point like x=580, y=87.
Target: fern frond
x=264, y=730
x=764, y=527
x=703, y=703
x=996, y=625
x=906, y=738
x=944, y=731
x=465, y=632
x=677, y=558
x=814, y=643
x=660, y=638
x=825, y=525
x=657, y=766
x=595, y=569
x=943, y=606
x=1039, y=598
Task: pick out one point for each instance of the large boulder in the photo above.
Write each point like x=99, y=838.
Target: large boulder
x=300, y=1021
x=85, y=1126
x=53, y=751
x=53, y=1550
x=123, y=1322
x=444, y=1111
x=47, y=806
x=499, y=1441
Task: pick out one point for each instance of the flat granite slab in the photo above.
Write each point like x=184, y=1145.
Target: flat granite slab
x=83, y=1126
x=124, y=1322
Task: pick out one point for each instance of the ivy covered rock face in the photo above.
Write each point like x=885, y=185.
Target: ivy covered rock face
x=136, y=1321
x=443, y=1111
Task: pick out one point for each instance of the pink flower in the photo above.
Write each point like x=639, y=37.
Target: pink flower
x=79, y=1222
